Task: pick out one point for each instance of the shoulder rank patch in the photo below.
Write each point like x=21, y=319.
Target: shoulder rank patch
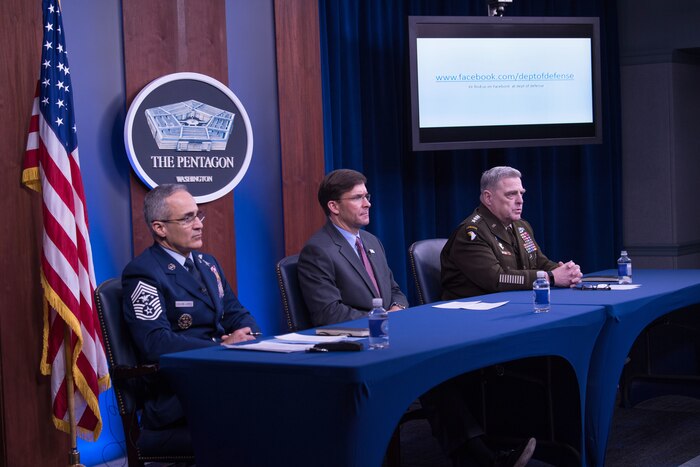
x=146, y=302
x=476, y=218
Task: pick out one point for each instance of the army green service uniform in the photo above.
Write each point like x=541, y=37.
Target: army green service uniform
x=482, y=257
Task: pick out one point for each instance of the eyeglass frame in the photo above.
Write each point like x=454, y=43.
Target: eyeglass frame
x=187, y=220
x=357, y=198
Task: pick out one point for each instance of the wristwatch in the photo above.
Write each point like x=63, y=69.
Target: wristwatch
x=551, y=277
x=398, y=305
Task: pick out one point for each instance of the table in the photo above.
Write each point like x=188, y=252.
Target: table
x=629, y=312
x=267, y=409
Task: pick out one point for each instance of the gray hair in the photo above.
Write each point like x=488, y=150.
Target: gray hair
x=154, y=205
x=491, y=177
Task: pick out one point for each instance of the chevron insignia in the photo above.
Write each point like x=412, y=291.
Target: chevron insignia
x=146, y=302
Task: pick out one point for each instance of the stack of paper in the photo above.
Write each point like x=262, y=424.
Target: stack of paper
x=292, y=342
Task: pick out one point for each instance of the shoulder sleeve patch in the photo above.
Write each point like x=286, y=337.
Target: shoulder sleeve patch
x=145, y=301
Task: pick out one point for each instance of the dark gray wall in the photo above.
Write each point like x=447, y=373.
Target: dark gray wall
x=660, y=95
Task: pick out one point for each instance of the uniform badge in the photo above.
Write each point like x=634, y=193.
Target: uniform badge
x=471, y=235
x=529, y=244
x=171, y=266
x=145, y=301
x=476, y=218
x=184, y=321
x=504, y=252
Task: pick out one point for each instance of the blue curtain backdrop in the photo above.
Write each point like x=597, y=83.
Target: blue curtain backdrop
x=573, y=198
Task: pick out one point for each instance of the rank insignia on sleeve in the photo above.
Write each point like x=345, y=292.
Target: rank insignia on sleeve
x=184, y=321
x=145, y=301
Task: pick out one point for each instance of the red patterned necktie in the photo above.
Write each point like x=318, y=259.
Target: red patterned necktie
x=365, y=261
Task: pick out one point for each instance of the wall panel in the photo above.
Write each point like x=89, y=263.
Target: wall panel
x=166, y=36
x=301, y=118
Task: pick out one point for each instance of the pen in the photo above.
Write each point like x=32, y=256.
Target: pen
x=255, y=334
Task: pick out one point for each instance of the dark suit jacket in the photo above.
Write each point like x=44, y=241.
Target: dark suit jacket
x=168, y=311
x=334, y=282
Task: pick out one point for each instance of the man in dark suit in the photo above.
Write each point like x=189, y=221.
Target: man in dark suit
x=176, y=298
x=342, y=268
x=338, y=287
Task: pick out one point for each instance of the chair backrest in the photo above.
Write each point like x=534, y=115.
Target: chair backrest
x=425, y=267
x=141, y=445
x=296, y=315
x=119, y=346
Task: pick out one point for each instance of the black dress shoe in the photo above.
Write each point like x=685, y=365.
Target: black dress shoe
x=517, y=457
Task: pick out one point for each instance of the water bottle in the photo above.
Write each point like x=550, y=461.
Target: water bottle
x=378, y=326
x=540, y=292
x=624, y=268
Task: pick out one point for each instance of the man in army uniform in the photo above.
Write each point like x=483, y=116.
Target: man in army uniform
x=493, y=249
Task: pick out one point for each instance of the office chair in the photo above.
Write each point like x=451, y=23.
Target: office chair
x=141, y=445
x=425, y=267
x=296, y=316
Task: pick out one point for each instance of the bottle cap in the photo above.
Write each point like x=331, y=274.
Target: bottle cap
x=541, y=275
x=624, y=253
x=376, y=302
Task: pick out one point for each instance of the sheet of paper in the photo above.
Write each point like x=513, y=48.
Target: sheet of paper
x=453, y=305
x=624, y=286
x=308, y=339
x=485, y=305
x=478, y=305
x=271, y=346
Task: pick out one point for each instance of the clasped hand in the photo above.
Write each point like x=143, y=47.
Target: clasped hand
x=567, y=274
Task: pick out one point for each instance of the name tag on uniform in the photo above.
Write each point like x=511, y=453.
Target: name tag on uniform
x=184, y=304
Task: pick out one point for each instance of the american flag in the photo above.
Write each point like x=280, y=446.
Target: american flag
x=52, y=167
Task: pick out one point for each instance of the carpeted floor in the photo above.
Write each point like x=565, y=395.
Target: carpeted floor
x=662, y=432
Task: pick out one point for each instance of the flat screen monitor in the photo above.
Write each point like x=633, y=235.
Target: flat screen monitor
x=490, y=82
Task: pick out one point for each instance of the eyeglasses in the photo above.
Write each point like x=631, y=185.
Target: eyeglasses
x=358, y=198
x=187, y=220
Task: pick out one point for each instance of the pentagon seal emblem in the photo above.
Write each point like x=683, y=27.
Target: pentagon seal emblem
x=189, y=128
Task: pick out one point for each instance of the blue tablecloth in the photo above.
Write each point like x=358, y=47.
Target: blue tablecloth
x=267, y=409
x=629, y=312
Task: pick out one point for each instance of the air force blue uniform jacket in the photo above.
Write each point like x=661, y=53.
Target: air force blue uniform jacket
x=168, y=311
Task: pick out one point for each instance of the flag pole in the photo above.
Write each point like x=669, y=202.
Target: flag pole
x=73, y=454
